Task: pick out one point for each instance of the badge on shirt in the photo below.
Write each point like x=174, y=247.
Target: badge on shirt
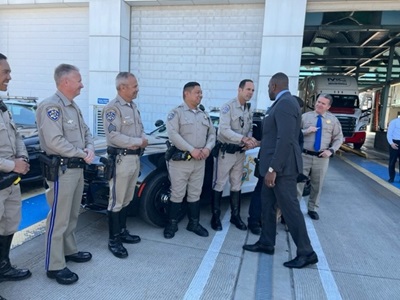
x=225, y=109
x=328, y=121
x=171, y=116
x=53, y=113
x=110, y=116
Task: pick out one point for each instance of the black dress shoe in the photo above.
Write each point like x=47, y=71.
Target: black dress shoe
x=258, y=247
x=313, y=215
x=79, y=257
x=14, y=274
x=64, y=276
x=301, y=261
x=197, y=229
x=128, y=238
x=390, y=180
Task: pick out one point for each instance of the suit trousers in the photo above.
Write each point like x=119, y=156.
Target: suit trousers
x=315, y=167
x=10, y=209
x=64, y=199
x=394, y=156
x=284, y=194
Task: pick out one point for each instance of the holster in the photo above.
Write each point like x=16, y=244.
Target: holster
x=109, y=166
x=7, y=179
x=170, y=151
x=49, y=166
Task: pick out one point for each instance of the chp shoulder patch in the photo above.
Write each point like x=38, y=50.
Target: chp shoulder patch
x=53, y=113
x=171, y=115
x=110, y=115
x=225, y=109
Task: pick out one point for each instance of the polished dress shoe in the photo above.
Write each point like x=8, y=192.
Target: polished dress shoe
x=128, y=238
x=10, y=273
x=301, y=261
x=313, y=215
x=64, y=276
x=390, y=180
x=79, y=257
x=197, y=229
x=258, y=247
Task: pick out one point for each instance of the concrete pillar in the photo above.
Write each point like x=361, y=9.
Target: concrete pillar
x=281, y=45
x=109, y=43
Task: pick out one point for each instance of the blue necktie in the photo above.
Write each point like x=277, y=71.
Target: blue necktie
x=318, y=134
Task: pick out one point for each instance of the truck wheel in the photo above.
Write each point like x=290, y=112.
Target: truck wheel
x=154, y=200
x=357, y=146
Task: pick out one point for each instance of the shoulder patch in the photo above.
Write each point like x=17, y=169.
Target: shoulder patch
x=53, y=113
x=171, y=115
x=110, y=115
x=225, y=109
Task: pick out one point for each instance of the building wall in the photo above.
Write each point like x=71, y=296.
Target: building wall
x=215, y=45
x=36, y=40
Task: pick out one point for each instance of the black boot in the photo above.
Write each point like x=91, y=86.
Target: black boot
x=114, y=240
x=216, y=211
x=172, y=225
x=194, y=215
x=235, y=211
x=125, y=236
x=7, y=271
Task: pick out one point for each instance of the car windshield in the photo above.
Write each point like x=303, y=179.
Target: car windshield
x=23, y=115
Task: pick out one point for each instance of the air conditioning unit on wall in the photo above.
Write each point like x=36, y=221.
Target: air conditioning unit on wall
x=98, y=121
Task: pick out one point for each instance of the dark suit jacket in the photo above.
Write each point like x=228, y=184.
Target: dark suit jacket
x=280, y=147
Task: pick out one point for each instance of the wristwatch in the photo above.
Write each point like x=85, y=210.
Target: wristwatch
x=270, y=170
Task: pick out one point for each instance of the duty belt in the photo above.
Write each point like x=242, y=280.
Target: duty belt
x=231, y=148
x=122, y=151
x=313, y=153
x=72, y=162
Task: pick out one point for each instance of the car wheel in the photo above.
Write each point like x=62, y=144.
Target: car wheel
x=154, y=200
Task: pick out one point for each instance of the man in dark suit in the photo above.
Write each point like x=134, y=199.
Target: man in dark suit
x=280, y=164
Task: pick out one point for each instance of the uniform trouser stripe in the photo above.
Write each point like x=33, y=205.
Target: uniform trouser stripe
x=51, y=225
x=113, y=191
x=215, y=177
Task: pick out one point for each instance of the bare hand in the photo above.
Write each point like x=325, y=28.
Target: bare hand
x=269, y=179
x=206, y=152
x=145, y=142
x=325, y=153
x=311, y=129
x=197, y=154
x=89, y=155
x=21, y=166
x=394, y=146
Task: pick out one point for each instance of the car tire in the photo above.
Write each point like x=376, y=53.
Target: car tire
x=154, y=200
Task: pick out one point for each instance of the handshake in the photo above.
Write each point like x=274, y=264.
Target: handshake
x=249, y=143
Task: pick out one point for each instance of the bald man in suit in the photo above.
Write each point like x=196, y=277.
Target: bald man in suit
x=280, y=164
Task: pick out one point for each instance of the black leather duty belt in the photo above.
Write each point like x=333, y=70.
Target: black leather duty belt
x=313, y=153
x=72, y=162
x=122, y=151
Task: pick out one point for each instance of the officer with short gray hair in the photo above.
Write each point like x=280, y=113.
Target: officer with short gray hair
x=68, y=144
x=192, y=133
x=125, y=140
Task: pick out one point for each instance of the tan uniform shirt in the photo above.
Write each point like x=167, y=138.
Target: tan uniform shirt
x=235, y=122
x=332, y=136
x=123, y=124
x=11, y=144
x=189, y=129
x=62, y=130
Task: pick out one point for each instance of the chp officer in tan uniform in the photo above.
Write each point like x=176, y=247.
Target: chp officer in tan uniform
x=234, y=137
x=125, y=140
x=192, y=133
x=64, y=136
x=13, y=161
x=317, y=150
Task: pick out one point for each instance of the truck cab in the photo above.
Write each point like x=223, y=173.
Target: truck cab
x=346, y=104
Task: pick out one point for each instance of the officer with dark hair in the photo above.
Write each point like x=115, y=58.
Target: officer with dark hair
x=192, y=133
x=13, y=158
x=234, y=138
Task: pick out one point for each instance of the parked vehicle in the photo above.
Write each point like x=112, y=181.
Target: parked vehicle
x=153, y=186
x=23, y=111
x=346, y=104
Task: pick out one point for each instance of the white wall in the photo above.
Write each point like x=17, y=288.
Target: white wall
x=216, y=45
x=36, y=40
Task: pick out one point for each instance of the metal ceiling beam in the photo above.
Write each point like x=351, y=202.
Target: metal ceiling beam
x=344, y=45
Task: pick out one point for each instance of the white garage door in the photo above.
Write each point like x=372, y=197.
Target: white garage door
x=36, y=40
x=216, y=45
